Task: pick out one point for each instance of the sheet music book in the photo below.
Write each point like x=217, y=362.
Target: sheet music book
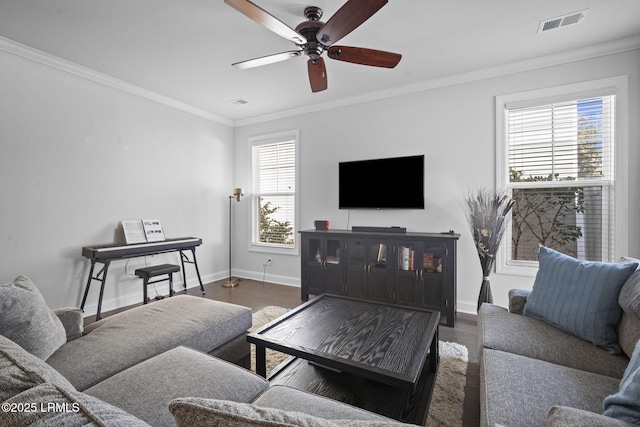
x=142, y=231
x=153, y=230
x=133, y=231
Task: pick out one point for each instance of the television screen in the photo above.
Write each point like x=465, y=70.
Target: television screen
x=391, y=183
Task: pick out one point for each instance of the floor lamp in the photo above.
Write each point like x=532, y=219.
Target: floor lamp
x=237, y=193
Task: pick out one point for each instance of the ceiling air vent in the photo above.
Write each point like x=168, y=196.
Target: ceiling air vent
x=562, y=21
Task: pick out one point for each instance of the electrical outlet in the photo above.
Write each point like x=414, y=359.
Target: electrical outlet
x=269, y=263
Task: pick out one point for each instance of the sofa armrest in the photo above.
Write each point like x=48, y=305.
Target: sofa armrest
x=517, y=300
x=72, y=321
x=564, y=416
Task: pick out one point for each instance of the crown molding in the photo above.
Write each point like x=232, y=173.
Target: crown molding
x=588, y=52
x=44, y=58
x=58, y=63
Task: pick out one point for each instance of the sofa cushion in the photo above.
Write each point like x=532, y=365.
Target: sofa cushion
x=21, y=370
x=191, y=412
x=500, y=330
x=146, y=389
x=629, y=300
x=625, y=404
x=26, y=319
x=51, y=405
x=580, y=297
x=291, y=399
x=517, y=388
x=118, y=342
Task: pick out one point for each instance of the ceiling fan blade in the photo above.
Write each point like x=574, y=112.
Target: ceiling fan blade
x=349, y=17
x=317, y=74
x=360, y=55
x=265, y=60
x=264, y=18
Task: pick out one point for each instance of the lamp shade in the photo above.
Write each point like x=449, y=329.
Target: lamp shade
x=238, y=192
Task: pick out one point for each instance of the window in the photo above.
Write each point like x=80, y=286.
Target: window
x=274, y=178
x=556, y=157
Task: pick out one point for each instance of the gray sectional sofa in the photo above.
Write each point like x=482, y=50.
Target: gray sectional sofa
x=162, y=364
x=534, y=372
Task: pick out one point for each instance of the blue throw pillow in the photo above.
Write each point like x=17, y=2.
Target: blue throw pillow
x=579, y=297
x=625, y=404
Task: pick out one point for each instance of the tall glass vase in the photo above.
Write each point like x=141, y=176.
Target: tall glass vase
x=485, y=292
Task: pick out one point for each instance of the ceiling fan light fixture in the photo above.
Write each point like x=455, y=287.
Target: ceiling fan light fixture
x=313, y=13
x=313, y=37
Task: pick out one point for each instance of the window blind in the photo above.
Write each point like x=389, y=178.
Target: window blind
x=274, y=179
x=561, y=176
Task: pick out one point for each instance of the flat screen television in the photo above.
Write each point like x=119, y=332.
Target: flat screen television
x=389, y=183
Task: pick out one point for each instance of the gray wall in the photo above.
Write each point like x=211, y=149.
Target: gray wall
x=78, y=157
x=454, y=126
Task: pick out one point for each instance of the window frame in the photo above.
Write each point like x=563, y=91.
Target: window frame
x=617, y=86
x=274, y=248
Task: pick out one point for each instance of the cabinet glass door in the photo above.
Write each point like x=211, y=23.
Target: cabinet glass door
x=380, y=263
x=314, y=266
x=408, y=266
x=331, y=264
x=358, y=268
x=432, y=274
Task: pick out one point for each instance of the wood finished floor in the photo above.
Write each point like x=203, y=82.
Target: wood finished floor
x=258, y=295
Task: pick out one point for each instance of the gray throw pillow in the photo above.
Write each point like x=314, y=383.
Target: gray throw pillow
x=625, y=404
x=51, y=405
x=21, y=370
x=629, y=298
x=200, y=412
x=26, y=319
x=579, y=297
x=565, y=416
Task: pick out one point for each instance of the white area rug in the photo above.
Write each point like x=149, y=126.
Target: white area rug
x=447, y=399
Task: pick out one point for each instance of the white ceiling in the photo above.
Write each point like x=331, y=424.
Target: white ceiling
x=183, y=49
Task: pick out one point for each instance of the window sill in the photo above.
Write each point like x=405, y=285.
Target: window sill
x=274, y=250
x=527, y=270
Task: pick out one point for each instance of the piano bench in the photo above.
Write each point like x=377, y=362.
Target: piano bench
x=148, y=273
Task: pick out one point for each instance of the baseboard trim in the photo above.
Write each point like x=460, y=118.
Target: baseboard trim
x=266, y=277
x=469, y=307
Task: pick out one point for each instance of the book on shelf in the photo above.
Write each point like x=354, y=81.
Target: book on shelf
x=382, y=254
x=428, y=261
x=405, y=260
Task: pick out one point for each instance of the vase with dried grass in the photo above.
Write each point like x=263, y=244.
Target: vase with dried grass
x=488, y=212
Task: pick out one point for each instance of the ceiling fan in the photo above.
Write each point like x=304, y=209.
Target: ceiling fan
x=313, y=37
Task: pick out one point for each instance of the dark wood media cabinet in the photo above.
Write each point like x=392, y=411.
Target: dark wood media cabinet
x=411, y=269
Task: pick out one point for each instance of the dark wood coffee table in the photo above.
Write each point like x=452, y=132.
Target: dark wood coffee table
x=370, y=346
